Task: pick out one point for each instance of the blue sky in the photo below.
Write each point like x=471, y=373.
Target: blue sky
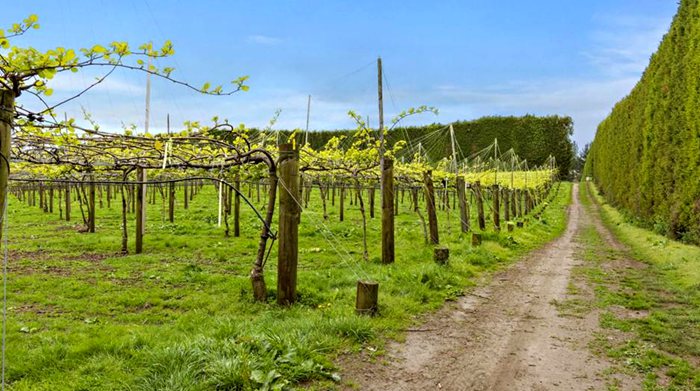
x=467, y=58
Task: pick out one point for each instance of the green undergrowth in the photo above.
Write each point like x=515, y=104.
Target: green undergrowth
x=649, y=297
x=180, y=316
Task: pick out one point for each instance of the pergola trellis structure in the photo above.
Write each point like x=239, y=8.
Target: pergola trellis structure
x=95, y=154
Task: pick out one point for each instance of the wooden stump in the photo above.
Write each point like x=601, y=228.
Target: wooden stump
x=476, y=239
x=367, y=298
x=441, y=255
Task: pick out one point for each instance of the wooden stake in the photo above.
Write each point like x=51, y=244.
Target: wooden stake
x=388, y=249
x=430, y=207
x=367, y=298
x=289, y=215
x=141, y=194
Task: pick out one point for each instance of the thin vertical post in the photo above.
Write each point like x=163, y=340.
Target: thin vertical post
x=430, y=207
x=140, y=209
x=388, y=249
x=289, y=215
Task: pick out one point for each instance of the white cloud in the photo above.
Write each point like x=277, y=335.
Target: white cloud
x=263, y=40
x=623, y=44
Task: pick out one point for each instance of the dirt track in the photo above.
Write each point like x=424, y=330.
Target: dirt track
x=505, y=336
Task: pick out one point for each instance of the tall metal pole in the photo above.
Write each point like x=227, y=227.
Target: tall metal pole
x=308, y=113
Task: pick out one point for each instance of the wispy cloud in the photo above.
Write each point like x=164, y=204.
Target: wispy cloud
x=622, y=44
x=263, y=40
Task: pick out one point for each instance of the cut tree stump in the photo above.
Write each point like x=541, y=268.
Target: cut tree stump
x=476, y=239
x=367, y=297
x=441, y=255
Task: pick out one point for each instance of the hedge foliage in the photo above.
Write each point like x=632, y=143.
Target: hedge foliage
x=646, y=155
x=533, y=138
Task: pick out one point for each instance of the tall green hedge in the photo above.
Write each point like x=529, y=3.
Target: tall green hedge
x=646, y=154
x=533, y=138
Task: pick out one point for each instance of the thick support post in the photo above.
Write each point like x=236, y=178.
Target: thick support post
x=171, y=202
x=237, y=209
x=388, y=249
x=367, y=298
x=140, y=209
x=496, y=208
x=68, y=200
x=506, y=204
x=7, y=111
x=289, y=214
x=463, y=207
x=430, y=207
x=480, y=205
x=185, y=196
x=91, y=205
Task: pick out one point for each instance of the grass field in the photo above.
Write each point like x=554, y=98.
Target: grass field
x=650, y=305
x=180, y=316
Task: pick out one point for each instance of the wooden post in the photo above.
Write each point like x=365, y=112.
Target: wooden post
x=480, y=205
x=496, y=208
x=171, y=202
x=463, y=207
x=141, y=194
x=430, y=207
x=185, y=196
x=289, y=215
x=367, y=298
x=51, y=199
x=237, y=208
x=91, y=205
x=506, y=204
x=7, y=112
x=371, y=202
x=388, y=250
x=68, y=199
x=341, y=215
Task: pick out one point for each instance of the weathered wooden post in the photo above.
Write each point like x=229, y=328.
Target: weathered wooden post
x=7, y=111
x=289, y=214
x=51, y=199
x=341, y=215
x=141, y=195
x=496, y=207
x=371, y=202
x=237, y=208
x=506, y=204
x=185, y=196
x=430, y=207
x=480, y=205
x=171, y=202
x=463, y=207
x=68, y=200
x=367, y=298
x=388, y=249
x=91, y=205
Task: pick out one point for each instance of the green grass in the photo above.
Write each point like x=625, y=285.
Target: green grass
x=181, y=315
x=650, y=310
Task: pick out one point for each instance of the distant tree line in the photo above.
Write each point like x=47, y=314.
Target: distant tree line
x=532, y=137
x=646, y=155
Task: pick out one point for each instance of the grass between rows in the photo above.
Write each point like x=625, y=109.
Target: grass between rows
x=180, y=316
x=650, y=304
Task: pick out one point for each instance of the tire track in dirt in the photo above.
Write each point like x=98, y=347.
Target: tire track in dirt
x=505, y=336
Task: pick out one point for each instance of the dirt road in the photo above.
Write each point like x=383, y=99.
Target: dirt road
x=505, y=336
